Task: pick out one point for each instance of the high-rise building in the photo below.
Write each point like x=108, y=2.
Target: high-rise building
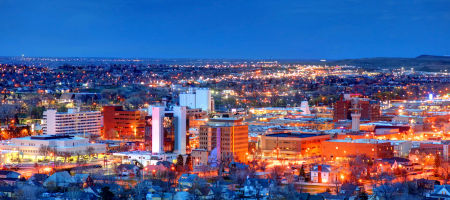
x=157, y=130
x=168, y=130
x=72, y=122
x=369, y=109
x=229, y=136
x=200, y=98
x=125, y=124
x=179, y=112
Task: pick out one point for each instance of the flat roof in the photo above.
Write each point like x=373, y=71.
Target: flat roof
x=301, y=135
x=50, y=137
x=363, y=141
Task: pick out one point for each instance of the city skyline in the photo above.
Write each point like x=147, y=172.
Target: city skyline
x=218, y=100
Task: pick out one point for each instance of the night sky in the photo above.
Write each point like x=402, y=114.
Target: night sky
x=256, y=29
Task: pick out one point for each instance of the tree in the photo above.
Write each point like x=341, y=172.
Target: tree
x=90, y=151
x=302, y=172
x=74, y=193
x=276, y=173
x=437, y=163
x=7, y=112
x=65, y=155
x=188, y=164
x=28, y=192
x=180, y=163
x=239, y=177
x=62, y=108
x=78, y=153
x=106, y=194
x=445, y=171
x=263, y=165
x=359, y=164
x=362, y=195
x=44, y=151
x=386, y=188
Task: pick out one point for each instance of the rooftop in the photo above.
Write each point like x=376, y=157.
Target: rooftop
x=301, y=135
x=50, y=137
x=366, y=141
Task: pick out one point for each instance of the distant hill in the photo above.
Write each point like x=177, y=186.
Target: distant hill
x=419, y=63
x=429, y=63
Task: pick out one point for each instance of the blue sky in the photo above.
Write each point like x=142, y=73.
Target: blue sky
x=296, y=29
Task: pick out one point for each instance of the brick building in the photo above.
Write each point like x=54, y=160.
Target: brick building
x=370, y=109
x=228, y=135
x=123, y=124
x=344, y=148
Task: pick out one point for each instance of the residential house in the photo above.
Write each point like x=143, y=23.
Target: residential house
x=441, y=192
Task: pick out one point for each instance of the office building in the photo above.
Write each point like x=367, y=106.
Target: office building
x=123, y=124
x=29, y=146
x=198, y=98
x=166, y=130
x=347, y=147
x=229, y=136
x=369, y=109
x=291, y=145
x=71, y=122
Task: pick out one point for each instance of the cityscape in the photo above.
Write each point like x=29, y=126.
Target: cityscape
x=109, y=122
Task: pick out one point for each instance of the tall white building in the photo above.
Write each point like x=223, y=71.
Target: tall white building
x=304, y=106
x=200, y=98
x=179, y=114
x=157, y=130
x=188, y=100
x=72, y=122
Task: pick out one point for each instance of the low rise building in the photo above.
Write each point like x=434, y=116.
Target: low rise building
x=31, y=146
x=370, y=147
x=291, y=145
x=144, y=158
x=323, y=174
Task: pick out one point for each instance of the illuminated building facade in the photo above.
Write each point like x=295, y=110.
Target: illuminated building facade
x=370, y=147
x=228, y=135
x=322, y=174
x=369, y=109
x=291, y=145
x=124, y=124
x=165, y=130
x=29, y=146
x=200, y=98
x=71, y=122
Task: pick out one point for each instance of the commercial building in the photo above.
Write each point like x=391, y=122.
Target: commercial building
x=30, y=146
x=166, y=129
x=306, y=123
x=434, y=148
x=198, y=98
x=71, y=122
x=291, y=145
x=123, y=124
x=344, y=148
x=144, y=157
x=369, y=109
x=229, y=136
